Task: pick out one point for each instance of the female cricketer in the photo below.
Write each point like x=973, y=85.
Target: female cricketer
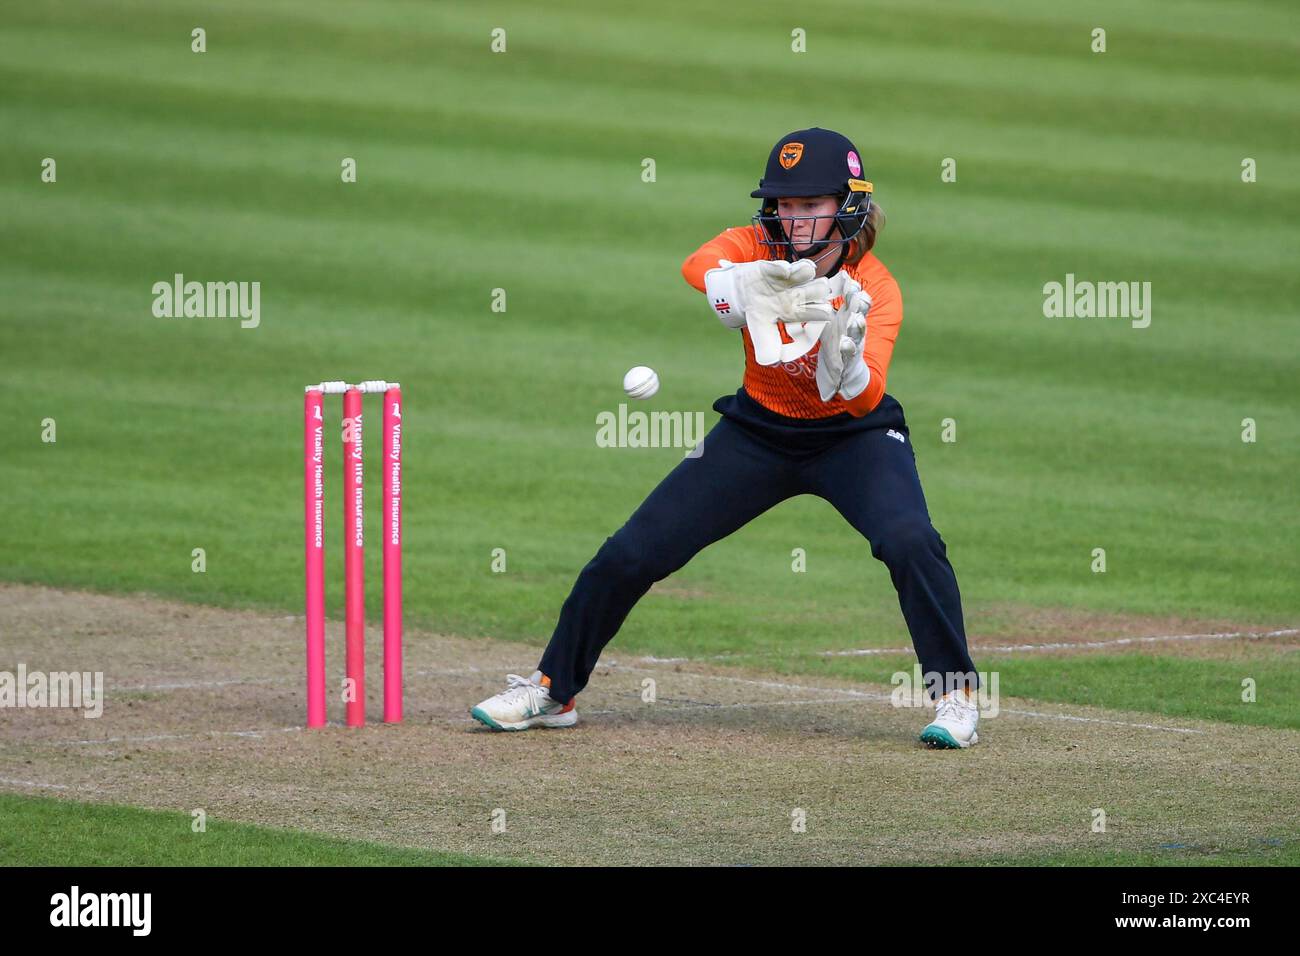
x=818, y=314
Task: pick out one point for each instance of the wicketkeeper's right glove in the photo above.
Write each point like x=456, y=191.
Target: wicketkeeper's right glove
x=762, y=293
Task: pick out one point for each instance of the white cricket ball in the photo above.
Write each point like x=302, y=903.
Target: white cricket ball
x=641, y=382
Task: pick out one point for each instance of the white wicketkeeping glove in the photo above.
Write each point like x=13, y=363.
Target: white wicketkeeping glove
x=841, y=369
x=760, y=294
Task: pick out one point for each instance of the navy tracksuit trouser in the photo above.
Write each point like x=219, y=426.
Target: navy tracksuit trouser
x=753, y=459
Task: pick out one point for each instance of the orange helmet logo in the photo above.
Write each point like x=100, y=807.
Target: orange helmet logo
x=791, y=153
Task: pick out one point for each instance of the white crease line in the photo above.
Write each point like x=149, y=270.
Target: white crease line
x=257, y=734
x=461, y=671
x=7, y=782
x=775, y=685
x=857, y=652
x=983, y=649
x=850, y=694
x=704, y=705
x=236, y=681
x=200, y=684
x=1100, y=720
x=864, y=695
x=1119, y=641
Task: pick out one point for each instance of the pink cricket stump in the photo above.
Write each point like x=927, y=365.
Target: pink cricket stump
x=354, y=574
x=393, y=556
x=313, y=462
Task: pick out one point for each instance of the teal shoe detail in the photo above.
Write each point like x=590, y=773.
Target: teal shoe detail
x=479, y=714
x=935, y=736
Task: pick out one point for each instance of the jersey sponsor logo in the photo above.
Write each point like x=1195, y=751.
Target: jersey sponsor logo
x=804, y=366
x=791, y=153
x=893, y=434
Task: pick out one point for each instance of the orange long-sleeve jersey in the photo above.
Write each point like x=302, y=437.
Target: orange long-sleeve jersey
x=790, y=388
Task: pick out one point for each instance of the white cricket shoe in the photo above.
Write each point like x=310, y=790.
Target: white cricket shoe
x=526, y=702
x=955, y=719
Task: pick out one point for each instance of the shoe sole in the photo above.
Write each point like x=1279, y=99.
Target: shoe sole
x=546, y=722
x=936, y=738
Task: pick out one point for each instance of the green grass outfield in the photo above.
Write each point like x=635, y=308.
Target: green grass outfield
x=42, y=831
x=522, y=171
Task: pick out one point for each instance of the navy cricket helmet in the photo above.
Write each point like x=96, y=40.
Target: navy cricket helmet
x=812, y=162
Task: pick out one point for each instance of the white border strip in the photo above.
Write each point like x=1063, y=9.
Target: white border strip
x=984, y=649
x=857, y=695
x=9, y=782
x=149, y=738
x=841, y=695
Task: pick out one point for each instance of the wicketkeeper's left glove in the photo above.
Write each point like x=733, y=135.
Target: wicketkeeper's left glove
x=841, y=368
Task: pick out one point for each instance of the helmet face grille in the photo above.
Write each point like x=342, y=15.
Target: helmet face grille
x=850, y=218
